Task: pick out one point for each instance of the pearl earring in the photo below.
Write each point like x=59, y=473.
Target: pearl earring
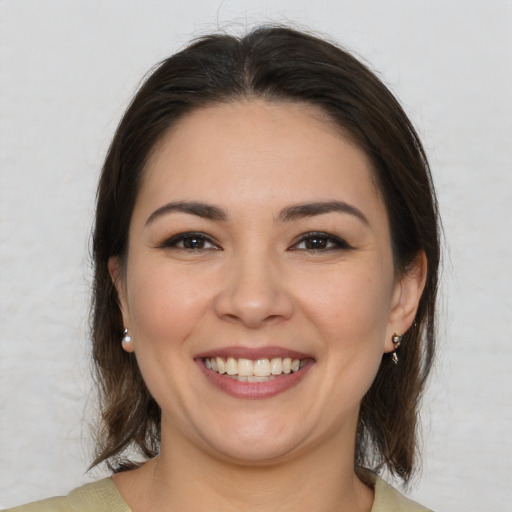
x=127, y=341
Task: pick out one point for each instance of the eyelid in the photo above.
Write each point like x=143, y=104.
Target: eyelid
x=173, y=241
x=340, y=243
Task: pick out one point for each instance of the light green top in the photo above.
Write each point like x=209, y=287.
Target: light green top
x=103, y=496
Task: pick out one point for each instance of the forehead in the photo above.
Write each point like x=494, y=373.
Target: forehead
x=270, y=141
x=251, y=157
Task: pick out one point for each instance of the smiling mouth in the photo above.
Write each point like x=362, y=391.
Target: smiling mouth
x=257, y=370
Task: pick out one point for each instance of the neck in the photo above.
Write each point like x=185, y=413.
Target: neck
x=185, y=478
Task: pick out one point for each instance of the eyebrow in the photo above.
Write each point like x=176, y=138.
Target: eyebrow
x=290, y=213
x=318, y=208
x=203, y=210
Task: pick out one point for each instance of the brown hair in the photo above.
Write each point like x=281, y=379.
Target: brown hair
x=274, y=64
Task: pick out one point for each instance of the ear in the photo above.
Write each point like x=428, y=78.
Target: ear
x=116, y=271
x=406, y=298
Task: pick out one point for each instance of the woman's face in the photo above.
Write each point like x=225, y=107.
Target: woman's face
x=259, y=243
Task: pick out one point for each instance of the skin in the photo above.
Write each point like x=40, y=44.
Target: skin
x=257, y=280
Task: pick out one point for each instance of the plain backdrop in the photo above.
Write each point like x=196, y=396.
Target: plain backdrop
x=68, y=69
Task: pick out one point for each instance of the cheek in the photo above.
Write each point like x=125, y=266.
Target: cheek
x=165, y=308
x=164, y=305
x=348, y=306
x=349, y=312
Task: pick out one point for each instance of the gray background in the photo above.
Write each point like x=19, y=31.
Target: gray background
x=68, y=69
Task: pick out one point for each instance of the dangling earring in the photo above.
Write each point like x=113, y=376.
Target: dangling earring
x=127, y=341
x=397, y=340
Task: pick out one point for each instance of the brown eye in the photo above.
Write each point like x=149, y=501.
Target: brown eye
x=320, y=242
x=189, y=242
x=316, y=242
x=193, y=242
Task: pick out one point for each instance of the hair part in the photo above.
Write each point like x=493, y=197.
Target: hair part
x=275, y=64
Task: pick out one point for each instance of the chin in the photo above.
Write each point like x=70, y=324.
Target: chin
x=257, y=454
x=256, y=443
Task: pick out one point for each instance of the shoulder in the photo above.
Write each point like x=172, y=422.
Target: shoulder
x=101, y=496
x=389, y=499
x=58, y=504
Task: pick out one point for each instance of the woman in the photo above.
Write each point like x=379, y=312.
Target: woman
x=266, y=253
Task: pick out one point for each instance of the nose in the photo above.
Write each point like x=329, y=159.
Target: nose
x=254, y=292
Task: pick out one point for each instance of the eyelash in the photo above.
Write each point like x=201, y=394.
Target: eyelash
x=326, y=241
x=335, y=242
x=174, y=241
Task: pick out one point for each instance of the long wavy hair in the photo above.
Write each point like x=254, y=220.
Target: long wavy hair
x=275, y=64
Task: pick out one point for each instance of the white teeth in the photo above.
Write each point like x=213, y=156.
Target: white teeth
x=276, y=366
x=252, y=378
x=245, y=367
x=258, y=370
x=262, y=368
x=220, y=365
x=231, y=366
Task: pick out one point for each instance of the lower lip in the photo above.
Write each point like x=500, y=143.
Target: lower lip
x=255, y=390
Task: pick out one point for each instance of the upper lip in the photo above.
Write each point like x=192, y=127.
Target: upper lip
x=254, y=353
